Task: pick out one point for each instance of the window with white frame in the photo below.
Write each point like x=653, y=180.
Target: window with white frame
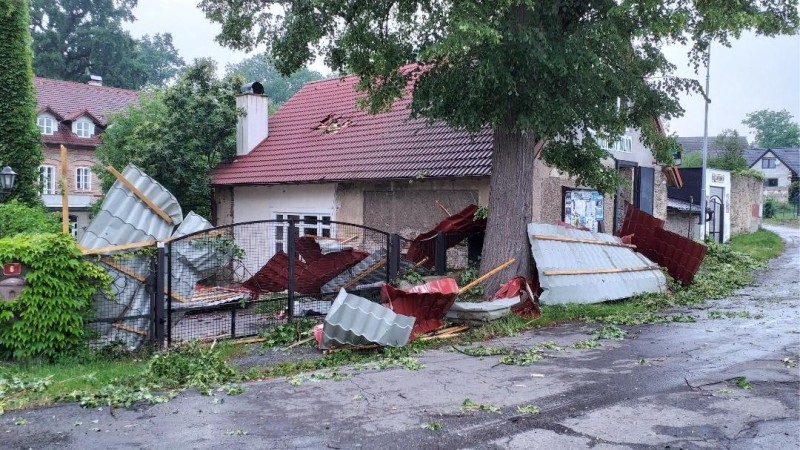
x=46, y=124
x=83, y=179
x=769, y=163
x=308, y=224
x=73, y=226
x=83, y=127
x=624, y=144
x=47, y=179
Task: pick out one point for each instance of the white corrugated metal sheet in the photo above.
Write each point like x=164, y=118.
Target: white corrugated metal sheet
x=123, y=218
x=355, y=320
x=560, y=255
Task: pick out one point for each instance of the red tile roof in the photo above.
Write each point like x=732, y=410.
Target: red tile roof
x=389, y=145
x=70, y=100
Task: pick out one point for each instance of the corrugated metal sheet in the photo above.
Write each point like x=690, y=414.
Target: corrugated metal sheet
x=428, y=302
x=193, y=259
x=128, y=298
x=357, y=321
x=389, y=145
x=550, y=255
x=483, y=311
x=123, y=218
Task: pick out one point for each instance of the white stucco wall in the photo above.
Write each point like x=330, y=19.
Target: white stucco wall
x=263, y=202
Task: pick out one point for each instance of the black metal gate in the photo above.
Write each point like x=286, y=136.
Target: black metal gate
x=238, y=280
x=717, y=219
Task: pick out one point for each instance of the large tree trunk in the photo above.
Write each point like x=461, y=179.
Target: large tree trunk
x=510, y=197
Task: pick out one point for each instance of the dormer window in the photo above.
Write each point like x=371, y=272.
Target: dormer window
x=83, y=127
x=46, y=124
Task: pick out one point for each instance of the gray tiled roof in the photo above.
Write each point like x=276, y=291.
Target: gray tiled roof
x=789, y=156
x=694, y=144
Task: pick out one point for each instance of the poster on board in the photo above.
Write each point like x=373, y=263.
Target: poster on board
x=583, y=208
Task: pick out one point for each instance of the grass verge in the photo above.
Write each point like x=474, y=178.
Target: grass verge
x=117, y=378
x=761, y=245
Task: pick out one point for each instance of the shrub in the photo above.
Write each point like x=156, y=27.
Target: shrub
x=48, y=318
x=16, y=217
x=769, y=208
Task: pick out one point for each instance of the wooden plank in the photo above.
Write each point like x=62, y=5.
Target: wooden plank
x=129, y=329
x=300, y=342
x=443, y=208
x=115, y=248
x=64, y=191
x=599, y=271
x=364, y=274
x=139, y=194
x=486, y=276
x=549, y=237
x=139, y=277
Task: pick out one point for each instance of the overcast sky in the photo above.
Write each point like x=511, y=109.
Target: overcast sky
x=755, y=73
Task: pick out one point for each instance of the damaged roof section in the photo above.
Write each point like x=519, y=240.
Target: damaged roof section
x=576, y=266
x=125, y=218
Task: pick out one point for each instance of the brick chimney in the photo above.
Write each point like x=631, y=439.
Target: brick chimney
x=251, y=128
x=95, y=80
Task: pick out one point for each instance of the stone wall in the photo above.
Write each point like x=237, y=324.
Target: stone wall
x=746, y=204
x=683, y=224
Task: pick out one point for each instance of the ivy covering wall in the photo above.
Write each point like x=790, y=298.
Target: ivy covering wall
x=49, y=317
x=20, y=141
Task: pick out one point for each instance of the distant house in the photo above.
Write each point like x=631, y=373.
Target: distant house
x=74, y=115
x=695, y=144
x=319, y=159
x=780, y=167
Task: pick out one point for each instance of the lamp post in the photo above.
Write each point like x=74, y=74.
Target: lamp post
x=8, y=178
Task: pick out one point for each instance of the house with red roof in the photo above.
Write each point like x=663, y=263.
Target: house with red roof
x=321, y=158
x=74, y=115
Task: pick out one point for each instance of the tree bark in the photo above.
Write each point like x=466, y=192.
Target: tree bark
x=510, y=198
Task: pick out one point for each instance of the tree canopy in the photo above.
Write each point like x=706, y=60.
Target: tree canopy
x=20, y=142
x=774, y=129
x=278, y=87
x=177, y=134
x=73, y=38
x=535, y=71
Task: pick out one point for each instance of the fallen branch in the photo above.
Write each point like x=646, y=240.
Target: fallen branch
x=300, y=342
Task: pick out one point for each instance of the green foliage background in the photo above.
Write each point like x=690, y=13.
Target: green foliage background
x=774, y=129
x=48, y=318
x=177, y=135
x=20, y=143
x=73, y=38
x=16, y=217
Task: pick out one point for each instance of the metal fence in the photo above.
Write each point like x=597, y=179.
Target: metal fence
x=240, y=280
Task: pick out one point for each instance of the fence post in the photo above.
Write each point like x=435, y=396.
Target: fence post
x=394, y=257
x=441, y=254
x=292, y=251
x=475, y=247
x=169, y=294
x=157, y=309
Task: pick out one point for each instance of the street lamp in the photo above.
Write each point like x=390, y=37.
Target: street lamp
x=8, y=179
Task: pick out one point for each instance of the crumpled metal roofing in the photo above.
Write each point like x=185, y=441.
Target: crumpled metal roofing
x=457, y=227
x=389, y=145
x=354, y=320
x=192, y=259
x=551, y=255
x=428, y=302
x=123, y=218
x=128, y=298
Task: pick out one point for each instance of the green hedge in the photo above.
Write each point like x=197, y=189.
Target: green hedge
x=48, y=318
x=16, y=217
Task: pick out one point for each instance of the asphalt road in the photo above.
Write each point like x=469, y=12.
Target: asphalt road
x=664, y=386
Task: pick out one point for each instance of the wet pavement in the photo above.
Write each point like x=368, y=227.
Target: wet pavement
x=663, y=386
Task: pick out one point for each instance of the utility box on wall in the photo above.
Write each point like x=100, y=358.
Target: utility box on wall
x=12, y=282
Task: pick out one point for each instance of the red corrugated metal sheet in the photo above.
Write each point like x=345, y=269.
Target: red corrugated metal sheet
x=428, y=303
x=311, y=273
x=389, y=145
x=681, y=256
x=516, y=287
x=460, y=225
